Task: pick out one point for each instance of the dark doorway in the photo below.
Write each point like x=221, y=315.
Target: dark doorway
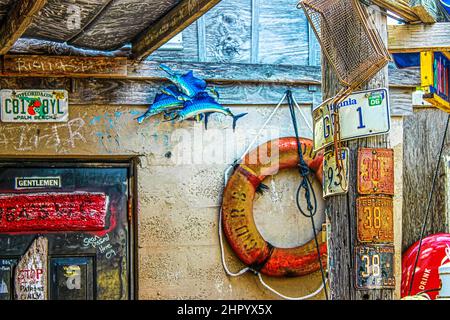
x=85, y=212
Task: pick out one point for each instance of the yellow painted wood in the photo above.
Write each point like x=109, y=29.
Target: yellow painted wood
x=426, y=70
x=438, y=102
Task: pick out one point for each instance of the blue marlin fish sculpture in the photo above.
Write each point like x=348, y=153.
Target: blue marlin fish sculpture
x=190, y=97
x=203, y=104
x=162, y=103
x=187, y=83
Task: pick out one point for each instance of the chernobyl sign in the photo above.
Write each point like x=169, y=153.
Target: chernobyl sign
x=38, y=183
x=34, y=106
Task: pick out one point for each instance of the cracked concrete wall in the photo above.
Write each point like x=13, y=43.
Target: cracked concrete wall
x=180, y=186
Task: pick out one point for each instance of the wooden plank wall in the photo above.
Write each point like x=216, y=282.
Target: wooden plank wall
x=423, y=132
x=249, y=31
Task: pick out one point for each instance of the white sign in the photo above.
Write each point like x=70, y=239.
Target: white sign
x=335, y=181
x=37, y=182
x=364, y=113
x=34, y=105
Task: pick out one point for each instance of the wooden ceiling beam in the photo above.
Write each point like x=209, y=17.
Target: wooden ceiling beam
x=18, y=20
x=419, y=37
x=400, y=8
x=175, y=21
x=427, y=10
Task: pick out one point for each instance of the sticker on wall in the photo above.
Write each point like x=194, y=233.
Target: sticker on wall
x=335, y=180
x=30, y=278
x=34, y=105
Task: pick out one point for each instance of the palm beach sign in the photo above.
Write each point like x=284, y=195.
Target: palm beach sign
x=34, y=106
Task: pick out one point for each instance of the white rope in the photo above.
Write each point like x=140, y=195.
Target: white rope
x=262, y=128
x=226, y=177
x=303, y=115
x=315, y=293
x=231, y=274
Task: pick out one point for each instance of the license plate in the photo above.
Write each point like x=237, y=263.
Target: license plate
x=335, y=181
x=376, y=171
x=364, y=113
x=375, y=216
x=374, y=267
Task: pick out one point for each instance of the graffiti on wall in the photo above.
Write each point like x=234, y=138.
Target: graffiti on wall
x=45, y=212
x=31, y=272
x=102, y=244
x=57, y=137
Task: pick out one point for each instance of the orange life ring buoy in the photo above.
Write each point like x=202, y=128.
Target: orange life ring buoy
x=237, y=210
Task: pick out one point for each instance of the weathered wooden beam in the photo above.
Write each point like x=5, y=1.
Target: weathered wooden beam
x=341, y=209
x=400, y=8
x=52, y=48
x=419, y=37
x=64, y=66
x=226, y=72
x=427, y=10
x=181, y=16
x=17, y=22
x=407, y=78
x=119, y=68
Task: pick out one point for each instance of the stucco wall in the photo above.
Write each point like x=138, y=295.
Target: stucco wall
x=180, y=186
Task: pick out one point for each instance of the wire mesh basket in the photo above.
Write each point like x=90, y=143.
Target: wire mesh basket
x=348, y=39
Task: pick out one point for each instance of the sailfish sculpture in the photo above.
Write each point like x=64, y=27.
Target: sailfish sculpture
x=188, y=98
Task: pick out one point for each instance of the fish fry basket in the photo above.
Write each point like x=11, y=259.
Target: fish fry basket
x=348, y=39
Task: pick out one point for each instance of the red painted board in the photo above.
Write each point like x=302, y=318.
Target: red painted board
x=53, y=212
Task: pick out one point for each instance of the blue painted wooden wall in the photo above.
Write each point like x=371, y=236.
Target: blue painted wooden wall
x=248, y=31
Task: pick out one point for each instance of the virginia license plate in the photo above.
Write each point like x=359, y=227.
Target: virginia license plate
x=376, y=171
x=375, y=216
x=364, y=113
x=335, y=181
x=374, y=267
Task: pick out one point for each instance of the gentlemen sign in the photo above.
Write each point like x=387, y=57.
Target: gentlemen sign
x=38, y=183
x=34, y=105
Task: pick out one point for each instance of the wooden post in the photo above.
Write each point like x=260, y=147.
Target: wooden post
x=341, y=210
